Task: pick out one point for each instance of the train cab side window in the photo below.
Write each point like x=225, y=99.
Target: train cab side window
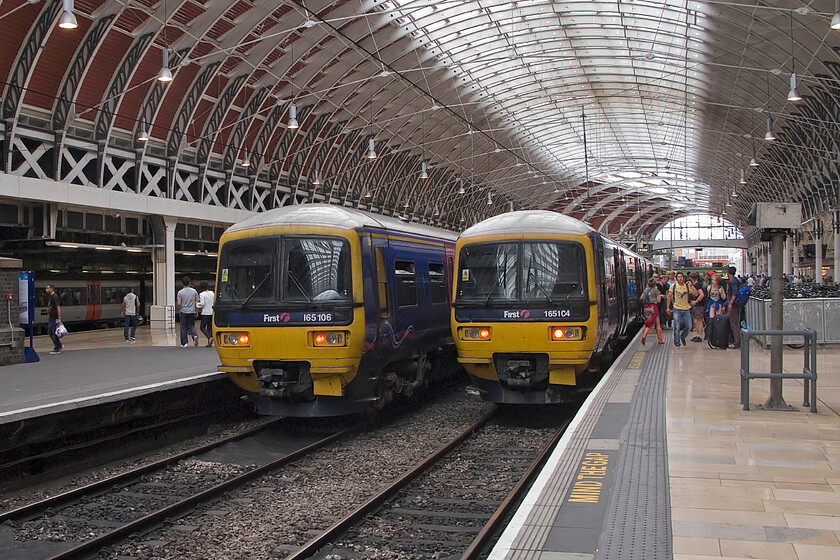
x=437, y=284
x=406, y=283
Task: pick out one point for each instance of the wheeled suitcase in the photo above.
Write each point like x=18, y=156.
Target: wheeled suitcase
x=717, y=331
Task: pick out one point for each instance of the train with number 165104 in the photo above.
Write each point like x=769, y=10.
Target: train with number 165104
x=541, y=303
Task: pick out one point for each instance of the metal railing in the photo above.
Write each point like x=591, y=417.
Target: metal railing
x=809, y=370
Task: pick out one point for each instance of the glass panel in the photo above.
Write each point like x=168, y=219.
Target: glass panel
x=553, y=271
x=488, y=272
x=246, y=271
x=317, y=269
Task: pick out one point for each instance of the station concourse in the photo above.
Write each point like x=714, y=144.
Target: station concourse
x=133, y=134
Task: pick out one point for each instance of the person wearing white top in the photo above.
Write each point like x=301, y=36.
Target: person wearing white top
x=130, y=304
x=205, y=308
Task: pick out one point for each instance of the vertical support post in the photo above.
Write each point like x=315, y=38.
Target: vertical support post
x=818, y=260
x=776, y=401
x=162, y=313
x=787, y=268
x=745, y=368
x=795, y=240
x=835, y=224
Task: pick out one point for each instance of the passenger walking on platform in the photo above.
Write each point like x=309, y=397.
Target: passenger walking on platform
x=678, y=296
x=205, y=308
x=734, y=309
x=697, y=301
x=717, y=297
x=650, y=300
x=662, y=286
x=186, y=300
x=130, y=304
x=54, y=317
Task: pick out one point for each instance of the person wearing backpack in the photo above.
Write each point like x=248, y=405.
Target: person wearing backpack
x=735, y=306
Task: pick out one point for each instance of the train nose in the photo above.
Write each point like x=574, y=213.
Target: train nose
x=518, y=372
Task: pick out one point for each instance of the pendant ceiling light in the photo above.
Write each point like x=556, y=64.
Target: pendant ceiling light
x=437, y=211
x=743, y=180
x=769, y=136
x=371, y=153
x=406, y=204
x=368, y=194
x=245, y=161
x=461, y=189
x=317, y=179
x=424, y=174
x=143, y=134
x=67, y=19
x=293, y=122
x=793, y=94
x=835, y=20
x=489, y=198
x=754, y=159
x=165, y=74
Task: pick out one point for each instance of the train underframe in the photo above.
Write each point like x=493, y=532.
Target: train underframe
x=287, y=388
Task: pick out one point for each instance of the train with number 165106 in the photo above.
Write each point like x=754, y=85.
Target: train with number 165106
x=323, y=310
x=541, y=303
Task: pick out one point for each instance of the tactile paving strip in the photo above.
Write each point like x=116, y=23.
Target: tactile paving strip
x=638, y=521
x=531, y=540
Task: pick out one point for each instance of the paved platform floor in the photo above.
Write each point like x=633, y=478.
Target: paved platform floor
x=97, y=365
x=738, y=484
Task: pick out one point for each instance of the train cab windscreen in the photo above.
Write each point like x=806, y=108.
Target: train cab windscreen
x=540, y=271
x=270, y=270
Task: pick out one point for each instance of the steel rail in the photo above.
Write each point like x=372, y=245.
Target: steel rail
x=35, y=508
x=86, y=548
x=341, y=526
x=477, y=546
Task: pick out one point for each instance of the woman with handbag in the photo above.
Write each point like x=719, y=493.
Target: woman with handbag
x=650, y=300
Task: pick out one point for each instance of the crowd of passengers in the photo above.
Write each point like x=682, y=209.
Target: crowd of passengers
x=688, y=304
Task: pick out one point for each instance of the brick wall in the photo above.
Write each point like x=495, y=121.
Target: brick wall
x=9, y=271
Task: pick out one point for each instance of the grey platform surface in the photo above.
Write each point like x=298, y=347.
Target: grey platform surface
x=86, y=376
x=604, y=493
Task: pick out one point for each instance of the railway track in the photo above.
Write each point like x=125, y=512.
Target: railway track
x=452, y=503
x=110, y=510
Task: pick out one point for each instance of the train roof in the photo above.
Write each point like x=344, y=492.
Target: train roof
x=528, y=221
x=339, y=217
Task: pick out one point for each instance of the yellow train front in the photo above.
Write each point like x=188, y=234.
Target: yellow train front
x=324, y=311
x=541, y=301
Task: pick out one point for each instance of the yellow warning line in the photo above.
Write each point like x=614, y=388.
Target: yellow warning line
x=636, y=361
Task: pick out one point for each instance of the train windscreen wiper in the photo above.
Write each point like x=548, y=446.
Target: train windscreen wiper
x=299, y=286
x=256, y=289
x=539, y=285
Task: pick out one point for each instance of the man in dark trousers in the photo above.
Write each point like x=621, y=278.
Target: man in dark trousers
x=732, y=288
x=54, y=305
x=186, y=301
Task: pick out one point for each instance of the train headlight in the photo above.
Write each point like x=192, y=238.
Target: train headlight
x=567, y=333
x=331, y=338
x=236, y=339
x=475, y=333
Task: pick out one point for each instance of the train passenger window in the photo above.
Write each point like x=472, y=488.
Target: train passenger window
x=406, y=283
x=382, y=283
x=437, y=284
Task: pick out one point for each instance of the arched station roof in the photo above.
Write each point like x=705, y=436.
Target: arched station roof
x=624, y=113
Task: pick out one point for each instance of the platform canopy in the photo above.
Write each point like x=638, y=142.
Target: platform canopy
x=625, y=114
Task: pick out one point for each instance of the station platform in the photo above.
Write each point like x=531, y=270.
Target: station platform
x=98, y=367
x=662, y=462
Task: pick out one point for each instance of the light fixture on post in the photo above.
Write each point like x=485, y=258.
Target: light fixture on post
x=165, y=74
x=835, y=20
x=245, y=161
x=371, y=153
x=424, y=174
x=293, y=122
x=793, y=94
x=143, y=134
x=67, y=19
x=743, y=180
x=769, y=136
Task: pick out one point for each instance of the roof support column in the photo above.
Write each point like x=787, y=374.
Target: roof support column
x=162, y=313
x=835, y=223
x=818, y=264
